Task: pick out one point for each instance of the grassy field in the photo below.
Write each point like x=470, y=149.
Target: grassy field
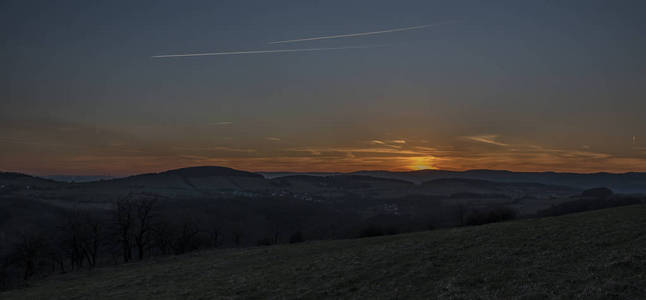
x=593, y=255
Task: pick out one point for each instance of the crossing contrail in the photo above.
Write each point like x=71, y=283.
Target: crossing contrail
x=360, y=33
x=267, y=51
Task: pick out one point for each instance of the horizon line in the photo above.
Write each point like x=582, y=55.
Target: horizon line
x=337, y=172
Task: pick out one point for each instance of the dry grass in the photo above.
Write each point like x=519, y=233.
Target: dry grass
x=593, y=255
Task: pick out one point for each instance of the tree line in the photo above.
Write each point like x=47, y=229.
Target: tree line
x=132, y=229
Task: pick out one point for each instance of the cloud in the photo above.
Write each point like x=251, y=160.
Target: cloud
x=266, y=51
x=359, y=34
x=222, y=123
x=397, y=144
x=271, y=138
x=215, y=148
x=426, y=148
x=367, y=151
x=487, y=139
x=230, y=149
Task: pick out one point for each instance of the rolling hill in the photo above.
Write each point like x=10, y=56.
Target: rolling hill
x=592, y=255
x=220, y=182
x=632, y=182
x=12, y=181
x=320, y=207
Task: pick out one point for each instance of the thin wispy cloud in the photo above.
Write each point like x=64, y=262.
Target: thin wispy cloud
x=426, y=148
x=271, y=138
x=215, y=148
x=267, y=51
x=487, y=139
x=397, y=144
x=363, y=150
x=230, y=149
x=348, y=35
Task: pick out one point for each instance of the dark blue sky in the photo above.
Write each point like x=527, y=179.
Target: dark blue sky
x=540, y=85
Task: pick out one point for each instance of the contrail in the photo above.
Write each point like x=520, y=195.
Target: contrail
x=267, y=51
x=360, y=34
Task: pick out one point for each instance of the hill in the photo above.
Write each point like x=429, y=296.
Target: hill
x=219, y=182
x=462, y=185
x=210, y=171
x=343, y=185
x=11, y=180
x=192, y=182
x=78, y=178
x=592, y=255
x=632, y=182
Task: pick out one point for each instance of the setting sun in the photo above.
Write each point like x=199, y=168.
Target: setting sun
x=422, y=163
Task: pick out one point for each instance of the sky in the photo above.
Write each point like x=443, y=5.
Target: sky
x=114, y=87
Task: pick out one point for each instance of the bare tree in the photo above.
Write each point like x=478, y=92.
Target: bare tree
x=186, y=239
x=90, y=240
x=57, y=256
x=28, y=252
x=461, y=211
x=163, y=237
x=143, y=224
x=69, y=244
x=123, y=213
x=276, y=239
x=236, y=236
x=215, y=236
x=4, y=272
x=81, y=239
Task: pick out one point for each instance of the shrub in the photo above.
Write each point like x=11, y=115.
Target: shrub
x=587, y=204
x=265, y=242
x=491, y=216
x=371, y=231
x=297, y=237
x=598, y=193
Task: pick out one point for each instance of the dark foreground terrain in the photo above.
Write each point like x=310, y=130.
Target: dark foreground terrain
x=592, y=255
